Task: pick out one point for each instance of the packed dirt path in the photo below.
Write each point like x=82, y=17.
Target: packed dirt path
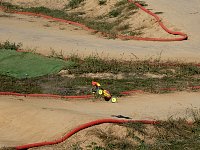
x=25, y=120
x=44, y=37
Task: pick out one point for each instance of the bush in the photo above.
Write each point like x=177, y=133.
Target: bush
x=10, y=46
x=102, y=2
x=74, y=3
x=114, y=13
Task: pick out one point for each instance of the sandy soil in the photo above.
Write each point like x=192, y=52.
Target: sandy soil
x=25, y=120
x=139, y=21
x=54, y=4
x=44, y=39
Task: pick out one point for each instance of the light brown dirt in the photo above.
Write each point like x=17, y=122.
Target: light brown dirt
x=54, y=4
x=25, y=120
x=140, y=21
x=48, y=37
x=93, y=9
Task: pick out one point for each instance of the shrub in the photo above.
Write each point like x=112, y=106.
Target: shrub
x=102, y=2
x=74, y=3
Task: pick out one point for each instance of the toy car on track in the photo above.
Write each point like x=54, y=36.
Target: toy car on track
x=98, y=90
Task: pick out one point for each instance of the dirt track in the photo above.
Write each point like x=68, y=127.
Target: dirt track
x=26, y=120
x=33, y=34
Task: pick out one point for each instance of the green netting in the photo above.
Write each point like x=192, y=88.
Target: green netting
x=28, y=65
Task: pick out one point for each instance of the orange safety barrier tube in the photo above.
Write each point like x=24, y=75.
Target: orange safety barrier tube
x=88, y=96
x=81, y=127
x=183, y=35
x=47, y=95
x=101, y=121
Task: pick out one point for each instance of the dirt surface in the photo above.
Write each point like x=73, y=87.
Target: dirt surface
x=53, y=4
x=46, y=38
x=25, y=120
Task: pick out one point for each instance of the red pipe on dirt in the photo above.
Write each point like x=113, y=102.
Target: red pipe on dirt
x=88, y=96
x=183, y=35
x=97, y=122
x=47, y=95
x=81, y=127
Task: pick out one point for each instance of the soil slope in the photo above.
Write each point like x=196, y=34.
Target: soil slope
x=46, y=38
x=25, y=120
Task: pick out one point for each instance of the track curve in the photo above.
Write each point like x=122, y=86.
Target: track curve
x=183, y=35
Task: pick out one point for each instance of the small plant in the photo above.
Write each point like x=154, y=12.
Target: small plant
x=7, y=148
x=102, y=2
x=101, y=26
x=9, y=5
x=57, y=55
x=159, y=12
x=166, y=135
x=135, y=33
x=132, y=6
x=142, y=3
x=94, y=146
x=74, y=3
x=114, y=13
x=121, y=3
x=10, y=45
x=123, y=27
x=76, y=147
x=47, y=25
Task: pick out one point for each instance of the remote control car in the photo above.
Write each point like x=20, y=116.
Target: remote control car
x=99, y=91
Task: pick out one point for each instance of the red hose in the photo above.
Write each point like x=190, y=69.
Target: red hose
x=81, y=127
x=47, y=95
x=183, y=35
x=97, y=122
x=87, y=96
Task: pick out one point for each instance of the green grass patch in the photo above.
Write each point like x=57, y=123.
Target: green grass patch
x=26, y=86
x=56, y=84
x=95, y=64
x=150, y=76
x=28, y=65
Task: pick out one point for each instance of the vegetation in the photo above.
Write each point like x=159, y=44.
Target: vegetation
x=115, y=12
x=158, y=12
x=102, y=2
x=56, y=84
x=74, y=3
x=10, y=45
x=171, y=134
x=101, y=23
x=149, y=75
